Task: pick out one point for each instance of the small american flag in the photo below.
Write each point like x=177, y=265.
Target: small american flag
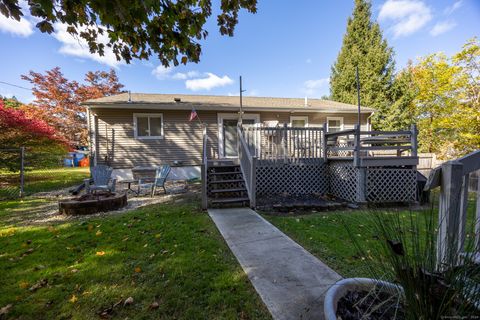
x=193, y=115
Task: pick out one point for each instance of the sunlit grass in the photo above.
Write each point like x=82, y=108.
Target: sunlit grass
x=170, y=253
x=40, y=180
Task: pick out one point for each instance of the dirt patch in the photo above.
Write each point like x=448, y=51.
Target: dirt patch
x=48, y=213
x=286, y=204
x=369, y=305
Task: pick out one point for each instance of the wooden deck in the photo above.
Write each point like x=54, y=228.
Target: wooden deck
x=358, y=166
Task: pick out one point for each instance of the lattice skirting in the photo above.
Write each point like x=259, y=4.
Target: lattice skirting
x=391, y=185
x=295, y=179
x=343, y=180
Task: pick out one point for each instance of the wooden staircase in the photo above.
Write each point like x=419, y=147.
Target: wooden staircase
x=225, y=185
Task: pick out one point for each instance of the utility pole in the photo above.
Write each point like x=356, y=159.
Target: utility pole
x=358, y=97
x=240, y=120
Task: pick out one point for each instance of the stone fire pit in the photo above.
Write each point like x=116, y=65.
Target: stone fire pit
x=92, y=203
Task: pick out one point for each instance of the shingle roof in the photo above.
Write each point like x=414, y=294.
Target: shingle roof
x=214, y=102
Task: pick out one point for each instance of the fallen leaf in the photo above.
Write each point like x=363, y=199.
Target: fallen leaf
x=5, y=310
x=154, y=305
x=99, y=233
x=23, y=284
x=73, y=299
x=74, y=271
x=138, y=269
x=146, y=245
x=40, y=284
x=128, y=301
x=100, y=253
x=90, y=227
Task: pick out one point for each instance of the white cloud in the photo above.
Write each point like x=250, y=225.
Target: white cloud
x=161, y=72
x=311, y=87
x=450, y=9
x=442, y=27
x=78, y=47
x=208, y=83
x=408, y=16
x=22, y=28
x=185, y=75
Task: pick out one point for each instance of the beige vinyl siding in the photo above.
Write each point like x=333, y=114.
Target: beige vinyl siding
x=182, y=139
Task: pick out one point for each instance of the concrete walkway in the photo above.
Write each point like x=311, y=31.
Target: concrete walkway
x=291, y=282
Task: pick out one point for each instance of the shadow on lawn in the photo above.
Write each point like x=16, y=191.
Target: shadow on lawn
x=170, y=254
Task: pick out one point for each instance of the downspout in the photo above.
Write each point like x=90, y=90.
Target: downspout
x=369, y=122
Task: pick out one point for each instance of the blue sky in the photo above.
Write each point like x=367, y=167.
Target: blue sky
x=285, y=50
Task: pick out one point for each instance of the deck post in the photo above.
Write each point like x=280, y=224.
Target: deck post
x=204, y=170
x=477, y=218
x=253, y=183
x=449, y=214
x=324, y=142
x=361, y=170
x=414, y=141
x=284, y=143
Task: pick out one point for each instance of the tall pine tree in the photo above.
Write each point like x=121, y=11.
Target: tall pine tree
x=363, y=45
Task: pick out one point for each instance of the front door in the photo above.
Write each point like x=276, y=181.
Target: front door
x=229, y=135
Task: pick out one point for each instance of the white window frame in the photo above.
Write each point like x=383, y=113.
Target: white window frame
x=231, y=116
x=304, y=118
x=335, y=118
x=135, y=127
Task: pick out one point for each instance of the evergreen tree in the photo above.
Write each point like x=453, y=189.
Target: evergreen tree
x=363, y=45
x=402, y=113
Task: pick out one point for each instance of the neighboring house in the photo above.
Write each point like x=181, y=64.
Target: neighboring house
x=153, y=129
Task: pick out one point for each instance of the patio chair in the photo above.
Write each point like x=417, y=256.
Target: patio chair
x=161, y=175
x=102, y=179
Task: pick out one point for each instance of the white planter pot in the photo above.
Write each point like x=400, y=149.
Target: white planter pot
x=340, y=289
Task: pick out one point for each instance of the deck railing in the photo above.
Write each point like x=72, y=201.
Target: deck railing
x=284, y=143
x=293, y=144
x=248, y=163
x=453, y=179
x=355, y=143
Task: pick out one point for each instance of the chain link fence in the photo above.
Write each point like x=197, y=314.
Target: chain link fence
x=24, y=173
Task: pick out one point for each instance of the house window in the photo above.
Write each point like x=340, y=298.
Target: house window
x=299, y=121
x=334, y=124
x=148, y=125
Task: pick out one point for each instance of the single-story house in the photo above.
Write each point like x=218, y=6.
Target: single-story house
x=137, y=129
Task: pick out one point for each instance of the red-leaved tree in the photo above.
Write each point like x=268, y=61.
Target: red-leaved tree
x=20, y=130
x=59, y=99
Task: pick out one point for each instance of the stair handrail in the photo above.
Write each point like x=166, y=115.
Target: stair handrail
x=204, y=168
x=453, y=179
x=248, y=164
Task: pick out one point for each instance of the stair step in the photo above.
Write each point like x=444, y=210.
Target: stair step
x=230, y=200
x=229, y=172
x=229, y=165
x=226, y=181
x=228, y=190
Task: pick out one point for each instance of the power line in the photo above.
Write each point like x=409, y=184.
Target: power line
x=14, y=85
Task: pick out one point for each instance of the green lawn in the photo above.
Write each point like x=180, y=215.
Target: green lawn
x=40, y=180
x=170, y=254
x=325, y=235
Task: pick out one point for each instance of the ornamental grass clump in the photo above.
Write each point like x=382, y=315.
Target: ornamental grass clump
x=405, y=253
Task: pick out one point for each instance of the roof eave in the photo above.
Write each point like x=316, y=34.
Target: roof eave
x=218, y=107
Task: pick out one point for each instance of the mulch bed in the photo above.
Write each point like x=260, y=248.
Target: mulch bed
x=373, y=305
x=287, y=204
